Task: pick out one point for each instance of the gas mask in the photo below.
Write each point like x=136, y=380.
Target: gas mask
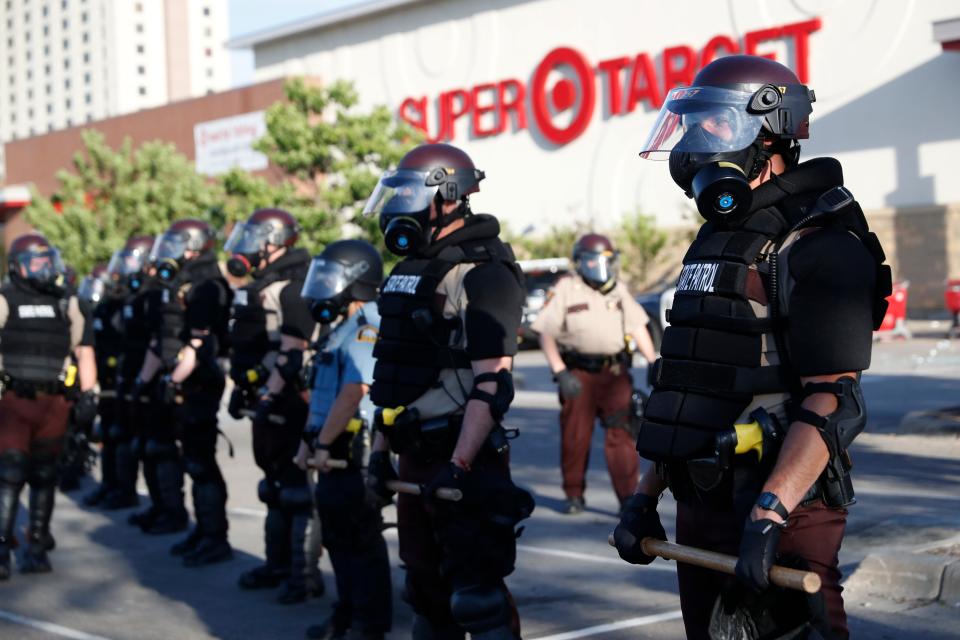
x=330, y=310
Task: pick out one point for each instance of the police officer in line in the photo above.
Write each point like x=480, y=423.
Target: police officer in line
x=450, y=311
x=770, y=328
x=589, y=330
x=128, y=283
x=342, y=287
x=100, y=294
x=41, y=325
x=129, y=268
x=189, y=334
x=271, y=327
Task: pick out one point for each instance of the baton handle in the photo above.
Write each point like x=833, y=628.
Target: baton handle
x=806, y=581
x=331, y=464
x=414, y=489
x=272, y=418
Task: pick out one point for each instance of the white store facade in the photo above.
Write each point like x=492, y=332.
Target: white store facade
x=553, y=98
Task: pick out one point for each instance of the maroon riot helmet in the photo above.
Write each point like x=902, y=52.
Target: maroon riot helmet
x=249, y=241
x=169, y=251
x=720, y=133
x=596, y=261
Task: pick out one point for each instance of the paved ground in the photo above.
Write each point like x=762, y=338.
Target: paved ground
x=111, y=582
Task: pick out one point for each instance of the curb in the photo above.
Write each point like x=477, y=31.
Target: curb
x=927, y=573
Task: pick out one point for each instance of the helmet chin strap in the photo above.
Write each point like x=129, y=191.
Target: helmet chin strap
x=445, y=219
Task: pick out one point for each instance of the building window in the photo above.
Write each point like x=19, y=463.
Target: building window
x=29, y=55
x=66, y=44
x=49, y=108
x=88, y=98
x=208, y=52
x=138, y=7
x=46, y=69
x=206, y=11
x=143, y=91
x=64, y=4
x=66, y=84
x=30, y=113
x=49, y=127
x=139, y=48
x=66, y=24
x=69, y=122
x=86, y=57
x=89, y=117
x=46, y=49
x=209, y=73
x=141, y=70
x=68, y=103
x=86, y=37
x=86, y=78
x=46, y=10
x=49, y=89
x=208, y=32
x=139, y=28
x=83, y=16
x=66, y=63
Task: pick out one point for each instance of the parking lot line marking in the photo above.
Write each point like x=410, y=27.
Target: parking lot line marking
x=49, y=627
x=586, y=557
x=629, y=623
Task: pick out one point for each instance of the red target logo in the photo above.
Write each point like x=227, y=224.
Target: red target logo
x=562, y=96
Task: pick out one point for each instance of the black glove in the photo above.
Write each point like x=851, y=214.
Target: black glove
x=238, y=402
x=264, y=408
x=138, y=390
x=379, y=472
x=570, y=385
x=168, y=391
x=758, y=552
x=85, y=409
x=450, y=477
x=651, y=374
x=638, y=520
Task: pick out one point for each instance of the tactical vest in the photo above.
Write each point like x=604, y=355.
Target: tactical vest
x=416, y=341
x=724, y=346
x=171, y=303
x=135, y=330
x=176, y=297
x=35, y=341
x=250, y=338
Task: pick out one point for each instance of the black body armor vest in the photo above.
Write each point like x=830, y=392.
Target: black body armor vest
x=250, y=337
x=135, y=329
x=108, y=337
x=416, y=342
x=724, y=345
x=175, y=299
x=35, y=341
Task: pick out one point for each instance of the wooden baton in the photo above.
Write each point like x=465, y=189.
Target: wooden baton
x=414, y=489
x=331, y=464
x=806, y=581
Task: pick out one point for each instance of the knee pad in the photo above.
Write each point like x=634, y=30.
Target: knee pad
x=297, y=497
x=158, y=450
x=13, y=467
x=482, y=609
x=266, y=492
x=427, y=596
x=200, y=470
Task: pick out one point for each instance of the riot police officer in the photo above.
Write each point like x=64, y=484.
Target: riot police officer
x=100, y=293
x=271, y=327
x=129, y=269
x=41, y=324
x=770, y=328
x=190, y=334
x=589, y=329
x=450, y=312
x=341, y=287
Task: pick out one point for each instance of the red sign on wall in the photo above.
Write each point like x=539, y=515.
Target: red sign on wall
x=507, y=102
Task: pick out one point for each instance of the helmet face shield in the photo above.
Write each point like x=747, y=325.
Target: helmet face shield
x=169, y=246
x=327, y=279
x=92, y=289
x=248, y=238
x=401, y=192
x=598, y=268
x=40, y=265
x=705, y=120
x=126, y=262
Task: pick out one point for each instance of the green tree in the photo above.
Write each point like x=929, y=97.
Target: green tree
x=112, y=194
x=640, y=242
x=333, y=155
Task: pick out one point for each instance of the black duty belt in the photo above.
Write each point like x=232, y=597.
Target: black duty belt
x=594, y=363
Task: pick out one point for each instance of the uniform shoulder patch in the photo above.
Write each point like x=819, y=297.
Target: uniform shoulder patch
x=368, y=334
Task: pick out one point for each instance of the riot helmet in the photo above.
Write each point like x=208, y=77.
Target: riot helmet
x=249, y=240
x=95, y=286
x=719, y=133
x=346, y=271
x=596, y=261
x=430, y=173
x=33, y=261
x=128, y=266
x=169, y=250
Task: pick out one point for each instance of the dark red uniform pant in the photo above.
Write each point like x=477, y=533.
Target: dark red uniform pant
x=606, y=395
x=27, y=424
x=428, y=587
x=814, y=534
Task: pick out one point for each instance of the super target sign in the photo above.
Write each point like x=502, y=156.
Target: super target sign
x=562, y=108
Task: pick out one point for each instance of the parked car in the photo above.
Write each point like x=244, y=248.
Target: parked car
x=656, y=305
x=540, y=276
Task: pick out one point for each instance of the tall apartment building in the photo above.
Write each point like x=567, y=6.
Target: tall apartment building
x=65, y=62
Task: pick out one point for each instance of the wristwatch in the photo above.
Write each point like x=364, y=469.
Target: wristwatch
x=770, y=502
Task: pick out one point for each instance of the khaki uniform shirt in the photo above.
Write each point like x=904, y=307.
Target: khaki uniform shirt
x=584, y=320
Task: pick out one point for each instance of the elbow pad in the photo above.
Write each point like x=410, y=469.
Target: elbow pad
x=291, y=368
x=840, y=428
x=499, y=402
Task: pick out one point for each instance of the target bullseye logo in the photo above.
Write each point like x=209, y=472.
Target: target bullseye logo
x=563, y=95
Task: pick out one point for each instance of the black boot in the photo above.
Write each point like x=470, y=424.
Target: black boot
x=42, y=497
x=117, y=500
x=127, y=464
x=97, y=496
x=305, y=577
x=188, y=544
x=210, y=510
x=4, y=559
x=333, y=628
x=210, y=550
x=263, y=577
x=172, y=515
x=166, y=521
x=144, y=518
